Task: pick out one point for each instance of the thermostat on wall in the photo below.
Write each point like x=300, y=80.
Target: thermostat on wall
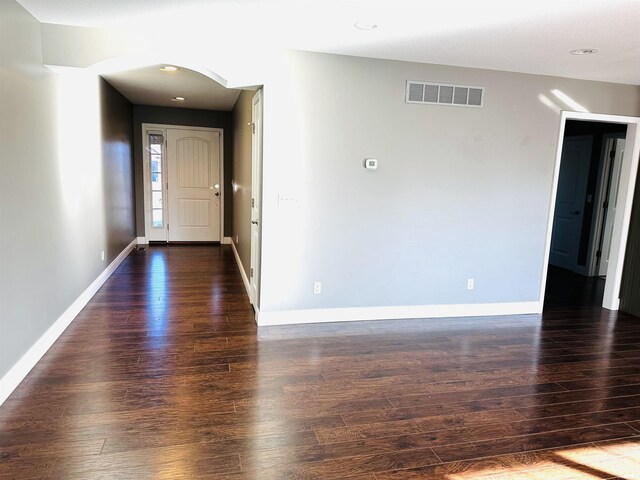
x=370, y=163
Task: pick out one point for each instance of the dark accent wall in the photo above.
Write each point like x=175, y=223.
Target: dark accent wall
x=597, y=130
x=187, y=117
x=630, y=288
x=117, y=168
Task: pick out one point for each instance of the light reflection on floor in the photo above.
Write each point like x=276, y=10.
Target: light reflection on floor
x=618, y=459
x=157, y=297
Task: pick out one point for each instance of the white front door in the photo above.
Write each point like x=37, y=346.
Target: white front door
x=193, y=163
x=256, y=182
x=611, y=204
x=570, y=202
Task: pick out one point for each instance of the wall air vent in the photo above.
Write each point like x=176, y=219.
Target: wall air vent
x=444, y=94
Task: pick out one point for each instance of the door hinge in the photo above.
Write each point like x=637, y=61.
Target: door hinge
x=253, y=127
x=251, y=272
x=605, y=205
x=598, y=253
x=253, y=202
x=167, y=226
x=612, y=154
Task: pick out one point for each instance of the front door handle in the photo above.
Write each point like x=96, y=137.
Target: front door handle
x=254, y=222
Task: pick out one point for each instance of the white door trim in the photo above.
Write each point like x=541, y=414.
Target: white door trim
x=257, y=109
x=145, y=169
x=597, y=225
x=611, y=299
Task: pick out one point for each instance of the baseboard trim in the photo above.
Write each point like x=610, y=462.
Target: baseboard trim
x=324, y=315
x=245, y=280
x=142, y=241
x=226, y=241
x=13, y=377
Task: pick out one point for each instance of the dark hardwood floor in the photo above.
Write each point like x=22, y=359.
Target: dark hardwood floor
x=164, y=375
x=568, y=289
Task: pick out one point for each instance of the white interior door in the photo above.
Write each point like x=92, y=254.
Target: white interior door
x=256, y=182
x=570, y=201
x=612, y=200
x=193, y=163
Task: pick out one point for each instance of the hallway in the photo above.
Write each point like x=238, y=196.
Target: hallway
x=164, y=375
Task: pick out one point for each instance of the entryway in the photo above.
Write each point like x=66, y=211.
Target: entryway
x=182, y=181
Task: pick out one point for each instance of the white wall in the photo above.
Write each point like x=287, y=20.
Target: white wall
x=55, y=215
x=460, y=192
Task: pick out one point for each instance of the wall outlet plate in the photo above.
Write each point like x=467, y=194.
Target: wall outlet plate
x=370, y=163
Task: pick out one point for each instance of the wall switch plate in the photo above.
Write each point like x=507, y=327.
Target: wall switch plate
x=102, y=255
x=237, y=239
x=317, y=288
x=470, y=283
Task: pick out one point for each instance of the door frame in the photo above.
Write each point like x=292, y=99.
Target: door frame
x=146, y=176
x=257, y=121
x=626, y=189
x=598, y=216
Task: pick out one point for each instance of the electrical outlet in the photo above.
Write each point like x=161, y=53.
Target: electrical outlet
x=102, y=255
x=470, y=283
x=317, y=288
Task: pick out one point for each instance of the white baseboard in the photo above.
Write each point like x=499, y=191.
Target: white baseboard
x=13, y=377
x=142, y=241
x=245, y=280
x=226, y=241
x=321, y=315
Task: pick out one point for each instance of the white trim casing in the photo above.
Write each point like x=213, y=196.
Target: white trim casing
x=142, y=241
x=245, y=280
x=626, y=189
x=324, y=315
x=226, y=241
x=19, y=371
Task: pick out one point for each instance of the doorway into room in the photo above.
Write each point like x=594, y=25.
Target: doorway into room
x=593, y=187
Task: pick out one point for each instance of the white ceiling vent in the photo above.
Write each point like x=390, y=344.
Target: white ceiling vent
x=443, y=94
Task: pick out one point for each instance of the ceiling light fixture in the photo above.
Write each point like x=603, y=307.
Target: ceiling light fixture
x=584, y=51
x=169, y=68
x=366, y=26
x=178, y=99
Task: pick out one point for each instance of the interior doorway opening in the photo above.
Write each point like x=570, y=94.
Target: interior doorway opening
x=594, y=179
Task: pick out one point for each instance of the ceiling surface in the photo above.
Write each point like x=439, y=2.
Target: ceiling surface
x=152, y=86
x=520, y=36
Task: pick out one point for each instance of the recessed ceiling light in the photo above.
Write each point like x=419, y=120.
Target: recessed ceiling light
x=584, y=51
x=169, y=68
x=366, y=26
x=178, y=99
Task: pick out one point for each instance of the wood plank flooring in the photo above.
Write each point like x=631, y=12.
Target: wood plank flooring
x=164, y=375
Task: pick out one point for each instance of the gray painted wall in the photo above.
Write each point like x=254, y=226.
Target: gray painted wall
x=460, y=192
x=242, y=140
x=189, y=117
x=55, y=188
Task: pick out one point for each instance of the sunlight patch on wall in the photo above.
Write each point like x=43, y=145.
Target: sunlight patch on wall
x=79, y=140
x=568, y=101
